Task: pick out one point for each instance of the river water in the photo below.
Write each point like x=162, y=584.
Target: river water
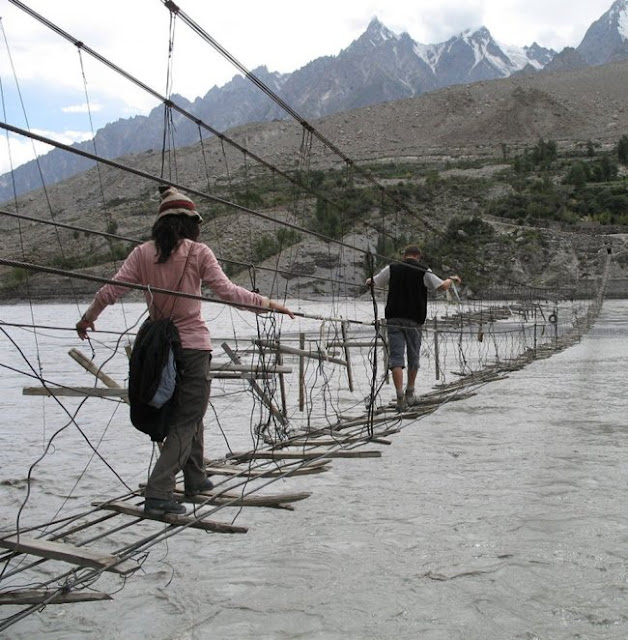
x=502, y=516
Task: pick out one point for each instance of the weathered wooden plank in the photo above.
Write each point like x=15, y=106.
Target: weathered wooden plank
x=314, y=441
x=282, y=454
x=317, y=466
x=314, y=355
x=57, y=392
x=268, y=401
x=246, y=368
x=236, y=499
x=69, y=553
x=38, y=596
x=87, y=364
x=344, y=327
x=138, y=512
x=353, y=343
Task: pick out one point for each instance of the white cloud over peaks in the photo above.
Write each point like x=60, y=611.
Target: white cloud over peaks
x=446, y=19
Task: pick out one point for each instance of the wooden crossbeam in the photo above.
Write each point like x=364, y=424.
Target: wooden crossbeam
x=282, y=454
x=268, y=401
x=87, y=364
x=315, y=355
x=58, y=392
x=317, y=466
x=194, y=523
x=245, y=368
x=236, y=499
x=69, y=553
x=314, y=441
x=39, y=596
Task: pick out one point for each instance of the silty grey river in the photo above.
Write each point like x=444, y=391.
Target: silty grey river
x=502, y=516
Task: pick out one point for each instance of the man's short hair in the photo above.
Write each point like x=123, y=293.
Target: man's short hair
x=412, y=250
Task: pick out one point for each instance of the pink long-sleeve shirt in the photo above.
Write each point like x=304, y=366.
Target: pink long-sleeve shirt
x=179, y=273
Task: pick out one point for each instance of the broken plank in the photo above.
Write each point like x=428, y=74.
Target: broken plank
x=189, y=521
x=69, y=553
x=40, y=596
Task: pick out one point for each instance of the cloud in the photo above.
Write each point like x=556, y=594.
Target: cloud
x=446, y=19
x=17, y=150
x=60, y=74
x=82, y=108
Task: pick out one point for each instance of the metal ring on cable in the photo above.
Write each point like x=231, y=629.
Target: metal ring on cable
x=552, y=318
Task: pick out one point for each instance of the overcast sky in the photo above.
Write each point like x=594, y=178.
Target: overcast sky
x=56, y=83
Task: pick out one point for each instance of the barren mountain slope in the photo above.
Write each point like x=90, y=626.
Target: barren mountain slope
x=482, y=119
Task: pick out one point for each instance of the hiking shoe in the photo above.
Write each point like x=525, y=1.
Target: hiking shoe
x=410, y=397
x=401, y=404
x=208, y=485
x=157, y=507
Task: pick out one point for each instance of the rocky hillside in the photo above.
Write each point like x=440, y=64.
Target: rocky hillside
x=451, y=148
x=379, y=66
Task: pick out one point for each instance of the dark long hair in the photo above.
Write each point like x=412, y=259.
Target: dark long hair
x=169, y=230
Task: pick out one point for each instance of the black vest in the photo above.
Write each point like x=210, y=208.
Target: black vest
x=407, y=293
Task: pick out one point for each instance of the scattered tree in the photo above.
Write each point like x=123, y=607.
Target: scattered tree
x=622, y=149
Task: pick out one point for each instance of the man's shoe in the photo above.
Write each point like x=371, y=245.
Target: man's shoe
x=410, y=397
x=157, y=507
x=401, y=404
x=208, y=485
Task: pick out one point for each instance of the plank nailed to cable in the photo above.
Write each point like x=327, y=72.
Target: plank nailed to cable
x=69, y=553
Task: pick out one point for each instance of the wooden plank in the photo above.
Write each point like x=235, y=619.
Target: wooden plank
x=245, y=368
x=314, y=355
x=248, y=500
x=301, y=373
x=270, y=472
x=190, y=521
x=315, y=441
x=344, y=327
x=39, y=596
x=282, y=454
x=87, y=364
x=58, y=392
x=268, y=402
x=69, y=553
x=354, y=343
x=236, y=499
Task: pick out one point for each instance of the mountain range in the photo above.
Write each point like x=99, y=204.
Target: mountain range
x=378, y=67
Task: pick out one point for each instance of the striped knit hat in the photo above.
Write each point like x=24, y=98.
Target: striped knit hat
x=173, y=202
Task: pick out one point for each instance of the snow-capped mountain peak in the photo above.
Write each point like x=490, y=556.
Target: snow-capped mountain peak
x=618, y=14
x=606, y=39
